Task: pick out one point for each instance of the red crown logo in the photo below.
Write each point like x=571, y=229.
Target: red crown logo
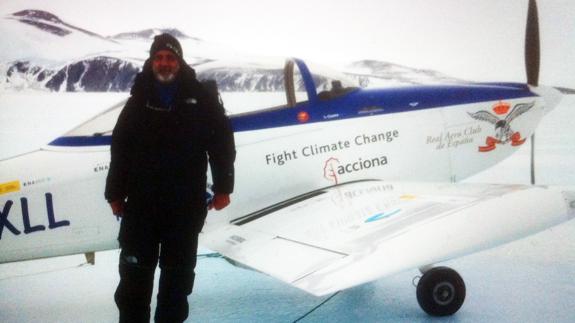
x=501, y=108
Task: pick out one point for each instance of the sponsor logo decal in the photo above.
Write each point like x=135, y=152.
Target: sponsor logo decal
x=356, y=192
x=453, y=138
x=504, y=134
x=381, y=216
x=102, y=167
x=308, y=150
x=235, y=239
x=370, y=110
x=303, y=116
x=331, y=116
x=333, y=169
x=329, y=169
x=36, y=181
x=9, y=187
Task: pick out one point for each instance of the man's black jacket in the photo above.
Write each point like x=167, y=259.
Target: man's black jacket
x=160, y=156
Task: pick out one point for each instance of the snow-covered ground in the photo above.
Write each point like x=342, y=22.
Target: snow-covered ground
x=526, y=281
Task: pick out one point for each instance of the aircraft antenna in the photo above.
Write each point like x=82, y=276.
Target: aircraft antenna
x=532, y=60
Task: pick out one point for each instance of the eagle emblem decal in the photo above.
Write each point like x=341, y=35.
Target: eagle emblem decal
x=503, y=132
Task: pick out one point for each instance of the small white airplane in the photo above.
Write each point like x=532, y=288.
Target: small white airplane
x=333, y=190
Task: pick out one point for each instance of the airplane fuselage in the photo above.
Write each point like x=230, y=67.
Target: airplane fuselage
x=52, y=200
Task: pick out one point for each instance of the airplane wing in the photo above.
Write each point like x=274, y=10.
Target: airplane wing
x=349, y=234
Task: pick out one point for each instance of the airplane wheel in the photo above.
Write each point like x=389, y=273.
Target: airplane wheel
x=441, y=291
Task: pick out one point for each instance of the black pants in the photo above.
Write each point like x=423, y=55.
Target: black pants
x=146, y=238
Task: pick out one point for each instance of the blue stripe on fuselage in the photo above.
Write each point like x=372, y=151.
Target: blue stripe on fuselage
x=357, y=104
x=82, y=141
x=369, y=102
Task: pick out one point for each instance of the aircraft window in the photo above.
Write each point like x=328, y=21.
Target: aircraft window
x=330, y=83
x=247, y=86
x=335, y=90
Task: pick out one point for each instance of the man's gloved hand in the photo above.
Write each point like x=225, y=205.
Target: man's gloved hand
x=219, y=201
x=117, y=207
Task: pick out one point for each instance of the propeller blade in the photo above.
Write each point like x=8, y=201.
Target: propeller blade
x=532, y=61
x=532, y=48
x=533, y=159
x=565, y=90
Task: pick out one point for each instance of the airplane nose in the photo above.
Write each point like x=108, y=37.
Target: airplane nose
x=551, y=96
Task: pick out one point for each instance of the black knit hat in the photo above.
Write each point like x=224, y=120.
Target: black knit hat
x=168, y=42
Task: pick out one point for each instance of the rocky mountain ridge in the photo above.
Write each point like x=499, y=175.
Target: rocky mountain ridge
x=104, y=64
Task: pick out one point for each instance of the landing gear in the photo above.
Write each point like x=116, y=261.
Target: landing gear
x=90, y=257
x=441, y=291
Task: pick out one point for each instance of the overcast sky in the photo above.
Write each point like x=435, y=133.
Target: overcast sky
x=472, y=39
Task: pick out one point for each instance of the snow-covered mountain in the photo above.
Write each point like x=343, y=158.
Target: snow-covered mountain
x=48, y=22
x=378, y=73
x=246, y=76
x=40, y=51
x=41, y=36
x=95, y=74
x=148, y=34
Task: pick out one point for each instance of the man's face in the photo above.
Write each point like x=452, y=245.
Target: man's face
x=165, y=66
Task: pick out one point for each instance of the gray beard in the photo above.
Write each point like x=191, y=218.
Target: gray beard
x=169, y=78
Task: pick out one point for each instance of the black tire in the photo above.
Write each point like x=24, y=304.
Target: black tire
x=441, y=291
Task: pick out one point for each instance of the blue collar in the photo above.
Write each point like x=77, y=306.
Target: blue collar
x=166, y=93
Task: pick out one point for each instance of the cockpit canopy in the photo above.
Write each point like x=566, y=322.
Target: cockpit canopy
x=289, y=85
x=316, y=82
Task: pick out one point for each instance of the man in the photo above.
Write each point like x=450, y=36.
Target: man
x=170, y=128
